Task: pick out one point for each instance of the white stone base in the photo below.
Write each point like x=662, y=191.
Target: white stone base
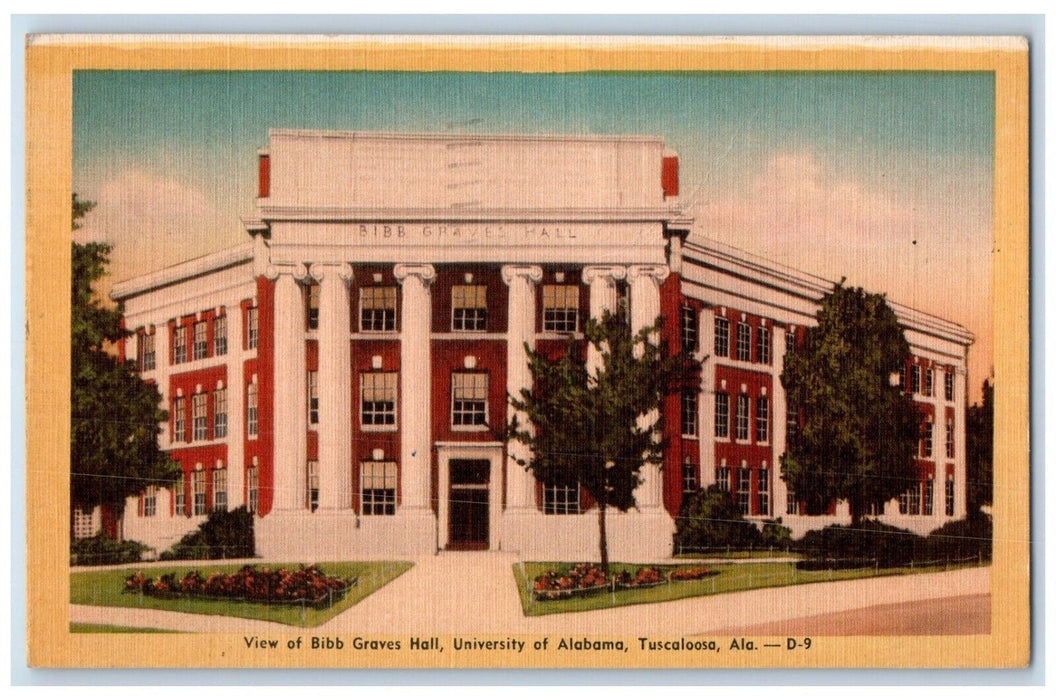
x=158, y=532
x=634, y=537
x=337, y=535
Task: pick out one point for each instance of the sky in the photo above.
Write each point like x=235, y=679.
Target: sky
x=883, y=178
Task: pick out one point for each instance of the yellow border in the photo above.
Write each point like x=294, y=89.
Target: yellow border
x=49, y=65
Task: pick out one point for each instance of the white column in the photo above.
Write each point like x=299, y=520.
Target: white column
x=960, y=472
x=604, y=296
x=707, y=390
x=236, y=467
x=335, y=387
x=416, y=384
x=161, y=373
x=645, y=307
x=290, y=377
x=521, y=279
x=778, y=425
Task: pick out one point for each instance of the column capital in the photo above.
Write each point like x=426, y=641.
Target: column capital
x=299, y=271
x=533, y=272
x=425, y=272
x=341, y=271
x=658, y=272
x=593, y=272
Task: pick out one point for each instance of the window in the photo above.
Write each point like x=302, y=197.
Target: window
x=744, y=342
x=744, y=490
x=180, y=497
x=251, y=410
x=791, y=423
x=378, y=488
x=722, y=415
x=876, y=509
x=902, y=378
x=560, y=308
x=690, y=482
x=690, y=330
x=313, y=398
x=200, y=337
x=791, y=504
x=146, y=352
x=469, y=307
x=220, y=336
x=198, y=486
x=929, y=496
x=762, y=345
x=469, y=399
x=949, y=495
x=220, y=413
x=252, y=328
x=150, y=501
x=742, y=417
x=762, y=419
x=763, y=491
x=83, y=525
x=179, y=420
x=925, y=441
x=909, y=501
x=949, y=384
x=313, y=306
x=220, y=489
x=689, y=412
x=722, y=337
x=179, y=345
x=377, y=399
x=949, y=438
x=722, y=478
x=377, y=309
x=560, y=499
x=914, y=385
x=252, y=489
x=200, y=416
x=929, y=382
x=313, y=485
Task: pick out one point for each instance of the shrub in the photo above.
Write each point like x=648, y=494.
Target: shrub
x=225, y=535
x=868, y=541
x=100, y=549
x=775, y=535
x=962, y=539
x=308, y=584
x=710, y=519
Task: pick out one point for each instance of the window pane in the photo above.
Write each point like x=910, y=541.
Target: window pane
x=378, y=398
x=560, y=308
x=220, y=335
x=378, y=488
x=469, y=310
x=377, y=309
x=722, y=337
x=722, y=415
x=469, y=399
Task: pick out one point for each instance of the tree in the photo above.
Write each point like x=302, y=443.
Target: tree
x=115, y=415
x=590, y=429
x=980, y=452
x=859, y=428
x=710, y=519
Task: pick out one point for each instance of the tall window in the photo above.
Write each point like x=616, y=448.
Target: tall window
x=791, y=503
x=744, y=342
x=83, y=523
x=914, y=379
x=313, y=485
x=744, y=490
x=791, y=423
x=313, y=306
x=252, y=489
x=201, y=337
x=220, y=413
x=690, y=480
x=313, y=397
x=251, y=410
x=252, y=328
x=949, y=438
x=909, y=501
x=146, y=352
x=560, y=308
x=763, y=491
x=722, y=415
x=762, y=345
x=689, y=412
x=220, y=489
x=742, y=417
x=179, y=420
x=762, y=419
x=378, y=488
x=925, y=441
x=929, y=382
x=949, y=384
x=377, y=309
x=377, y=400
x=179, y=496
x=220, y=335
x=722, y=478
x=469, y=399
x=198, y=486
x=690, y=330
x=929, y=496
x=560, y=499
x=902, y=378
x=722, y=337
x=949, y=495
x=150, y=501
x=469, y=307
x=179, y=345
x=200, y=415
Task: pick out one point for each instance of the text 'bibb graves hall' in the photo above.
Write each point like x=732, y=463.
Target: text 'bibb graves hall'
x=345, y=373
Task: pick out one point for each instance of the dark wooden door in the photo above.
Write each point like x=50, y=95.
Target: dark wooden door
x=468, y=504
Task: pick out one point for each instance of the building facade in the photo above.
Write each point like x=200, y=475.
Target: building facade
x=345, y=373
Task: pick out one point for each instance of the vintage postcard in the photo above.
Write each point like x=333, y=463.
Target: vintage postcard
x=527, y=352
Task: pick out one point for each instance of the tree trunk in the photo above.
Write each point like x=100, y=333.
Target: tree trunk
x=603, y=539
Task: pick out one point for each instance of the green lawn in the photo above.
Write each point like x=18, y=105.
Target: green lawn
x=741, y=554
x=106, y=588
x=730, y=578
x=91, y=627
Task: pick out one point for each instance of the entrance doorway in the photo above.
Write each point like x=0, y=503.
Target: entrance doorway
x=468, y=504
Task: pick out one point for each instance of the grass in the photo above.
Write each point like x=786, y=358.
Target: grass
x=740, y=554
x=92, y=627
x=730, y=578
x=106, y=588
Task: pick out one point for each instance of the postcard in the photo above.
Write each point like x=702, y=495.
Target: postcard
x=527, y=352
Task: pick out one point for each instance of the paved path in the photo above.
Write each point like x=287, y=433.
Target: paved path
x=473, y=593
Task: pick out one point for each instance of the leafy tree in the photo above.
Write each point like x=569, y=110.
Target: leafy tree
x=711, y=519
x=115, y=414
x=587, y=429
x=980, y=451
x=859, y=431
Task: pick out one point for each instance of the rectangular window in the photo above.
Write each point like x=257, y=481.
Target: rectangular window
x=929, y=496
x=201, y=335
x=914, y=500
x=762, y=419
x=742, y=417
x=560, y=500
x=876, y=509
x=949, y=495
x=252, y=489
x=744, y=491
x=902, y=378
x=200, y=415
x=949, y=385
x=83, y=525
x=378, y=481
x=791, y=423
x=929, y=382
x=198, y=486
x=313, y=398
x=744, y=342
x=689, y=412
x=179, y=345
x=150, y=502
x=313, y=306
x=252, y=328
x=179, y=420
x=763, y=492
x=722, y=478
x=220, y=413
x=469, y=399
x=690, y=481
x=251, y=410
x=377, y=399
x=791, y=504
x=560, y=308
x=146, y=352
x=722, y=415
x=469, y=307
x=220, y=489
x=220, y=336
x=690, y=330
x=722, y=337
x=949, y=438
x=377, y=309
x=762, y=345
x=914, y=380
x=313, y=485
x=180, y=496
x=925, y=441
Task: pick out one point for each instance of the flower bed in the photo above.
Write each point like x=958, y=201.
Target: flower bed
x=587, y=579
x=691, y=574
x=279, y=587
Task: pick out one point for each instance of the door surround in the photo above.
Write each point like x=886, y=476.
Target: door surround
x=489, y=451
